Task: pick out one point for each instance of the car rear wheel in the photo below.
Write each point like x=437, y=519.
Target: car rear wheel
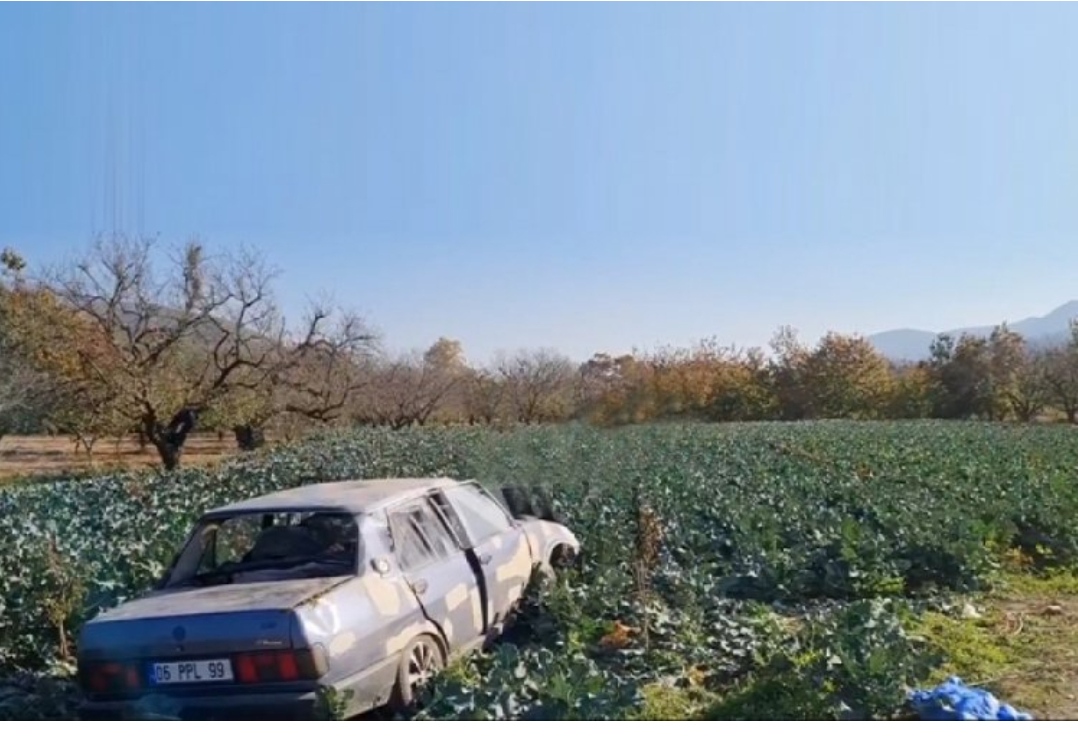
x=420, y=661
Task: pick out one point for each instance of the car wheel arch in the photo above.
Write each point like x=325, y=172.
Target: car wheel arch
x=561, y=553
x=435, y=631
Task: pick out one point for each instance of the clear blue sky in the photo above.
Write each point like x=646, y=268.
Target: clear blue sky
x=587, y=177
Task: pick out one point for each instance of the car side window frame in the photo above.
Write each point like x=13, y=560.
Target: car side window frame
x=476, y=491
x=425, y=507
x=451, y=518
x=208, y=559
x=486, y=495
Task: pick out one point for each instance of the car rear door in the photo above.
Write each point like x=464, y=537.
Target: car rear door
x=437, y=569
x=499, y=547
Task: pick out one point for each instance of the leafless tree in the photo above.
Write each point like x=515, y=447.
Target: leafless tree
x=538, y=384
x=174, y=343
x=314, y=377
x=484, y=396
x=409, y=389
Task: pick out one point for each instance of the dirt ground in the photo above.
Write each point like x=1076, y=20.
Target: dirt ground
x=1020, y=643
x=46, y=456
x=1044, y=632
x=1035, y=624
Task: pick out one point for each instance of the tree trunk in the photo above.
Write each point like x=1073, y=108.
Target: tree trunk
x=169, y=454
x=248, y=437
x=169, y=440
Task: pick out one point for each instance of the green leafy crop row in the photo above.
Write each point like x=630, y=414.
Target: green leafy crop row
x=757, y=521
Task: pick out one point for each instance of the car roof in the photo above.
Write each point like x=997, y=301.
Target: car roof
x=354, y=496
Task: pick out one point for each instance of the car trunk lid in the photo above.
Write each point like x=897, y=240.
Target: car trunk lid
x=182, y=624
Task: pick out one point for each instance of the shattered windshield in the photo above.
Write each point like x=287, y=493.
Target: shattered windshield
x=269, y=547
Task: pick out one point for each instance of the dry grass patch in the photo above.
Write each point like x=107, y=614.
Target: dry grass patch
x=1021, y=644
x=49, y=456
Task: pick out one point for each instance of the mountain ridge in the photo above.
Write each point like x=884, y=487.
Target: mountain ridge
x=912, y=344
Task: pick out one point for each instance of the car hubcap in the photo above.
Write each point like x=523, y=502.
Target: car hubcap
x=421, y=664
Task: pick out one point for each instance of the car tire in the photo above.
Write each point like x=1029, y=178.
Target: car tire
x=420, y=660
x=525, y=503
x=516, y=501
x=543, y=504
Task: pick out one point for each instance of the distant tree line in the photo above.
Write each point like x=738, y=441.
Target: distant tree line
x=967, y=377
x=126, y=340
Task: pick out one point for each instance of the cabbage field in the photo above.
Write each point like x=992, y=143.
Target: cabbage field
x=739, y=570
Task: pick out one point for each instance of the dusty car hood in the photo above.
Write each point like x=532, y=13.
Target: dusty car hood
x=282, y=595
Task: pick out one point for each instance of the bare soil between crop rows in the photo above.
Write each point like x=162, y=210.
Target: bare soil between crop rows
x=53, y=456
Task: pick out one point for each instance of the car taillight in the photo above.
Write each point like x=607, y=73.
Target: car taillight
x=279, y=666
x=110, y=677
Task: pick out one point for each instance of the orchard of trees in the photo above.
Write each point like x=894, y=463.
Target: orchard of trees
x=132, y=339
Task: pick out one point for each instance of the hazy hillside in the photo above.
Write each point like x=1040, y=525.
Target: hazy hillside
x=908, y=344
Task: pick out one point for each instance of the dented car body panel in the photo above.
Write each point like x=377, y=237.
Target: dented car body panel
x=273, y=599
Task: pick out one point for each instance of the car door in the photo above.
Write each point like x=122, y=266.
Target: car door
x=499, y=548
x=437, y=569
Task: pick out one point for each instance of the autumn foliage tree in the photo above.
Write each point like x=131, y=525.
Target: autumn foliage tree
x=960, y=372
x=30, y=320
x=1017, y=377
x=129, y=339
x=1059, y=372
x=154, y=345
x=845, y=377
x=617, y=390
x=786, y=373
x=911, y=392
x=23, y=389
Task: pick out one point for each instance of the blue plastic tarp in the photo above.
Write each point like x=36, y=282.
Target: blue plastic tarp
x=954, y=700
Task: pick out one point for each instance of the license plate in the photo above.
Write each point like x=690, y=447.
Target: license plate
x=191, y=672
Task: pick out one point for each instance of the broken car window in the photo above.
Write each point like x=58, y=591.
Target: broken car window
x=231, y=541
x=481, y=516
x=450, y=518
x=420, y=537
x=261, y=547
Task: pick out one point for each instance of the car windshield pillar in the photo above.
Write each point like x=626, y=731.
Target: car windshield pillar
x=199, y=544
